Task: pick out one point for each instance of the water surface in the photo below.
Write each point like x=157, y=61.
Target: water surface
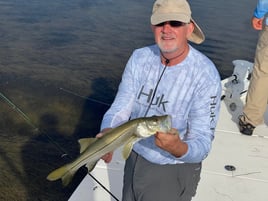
x=60, y=58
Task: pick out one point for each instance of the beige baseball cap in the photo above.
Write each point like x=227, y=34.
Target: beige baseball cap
x=176, y=10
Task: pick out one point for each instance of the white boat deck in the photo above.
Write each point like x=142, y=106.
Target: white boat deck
x=247, y=155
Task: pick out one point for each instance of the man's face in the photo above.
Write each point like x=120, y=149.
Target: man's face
x=171, y=36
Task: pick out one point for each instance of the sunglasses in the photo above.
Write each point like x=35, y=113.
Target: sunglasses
x=171, y=23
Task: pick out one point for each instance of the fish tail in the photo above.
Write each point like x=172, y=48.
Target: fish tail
x=65, y=173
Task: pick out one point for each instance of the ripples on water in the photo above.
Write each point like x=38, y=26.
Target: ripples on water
x=50, y=47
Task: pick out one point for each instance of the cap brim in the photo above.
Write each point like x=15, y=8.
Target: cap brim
x=197, y=36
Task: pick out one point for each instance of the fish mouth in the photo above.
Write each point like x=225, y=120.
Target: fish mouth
x=166, y=126
x=164, y=123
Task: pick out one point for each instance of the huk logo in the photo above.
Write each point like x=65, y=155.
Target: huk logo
x=212, y=112
x=158, y=101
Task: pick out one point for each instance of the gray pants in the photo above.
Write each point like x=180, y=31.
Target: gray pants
x=145, y=181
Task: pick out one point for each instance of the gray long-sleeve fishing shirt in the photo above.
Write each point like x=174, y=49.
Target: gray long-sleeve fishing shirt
x=189, y=91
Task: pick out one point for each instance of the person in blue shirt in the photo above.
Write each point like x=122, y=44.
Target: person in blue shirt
x=169, y=77
x=257, y=96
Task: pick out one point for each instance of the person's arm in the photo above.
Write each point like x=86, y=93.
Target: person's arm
x=202, y=119
x=202, y=122
x=121, y=108
x=259, y=13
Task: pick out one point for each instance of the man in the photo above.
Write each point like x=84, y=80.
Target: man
x=257, y=96
x=170, y=77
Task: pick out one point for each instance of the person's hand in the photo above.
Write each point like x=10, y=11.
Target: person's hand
x=107, y=157
x=171, y=142
x=257, y=23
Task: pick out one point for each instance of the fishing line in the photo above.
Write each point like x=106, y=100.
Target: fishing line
x=108, y=191
x=156, y=86
x=84, y=97
x=167, y=61
x=28, y=120
x=14, y=107
x=147, y=110
x=64, y=153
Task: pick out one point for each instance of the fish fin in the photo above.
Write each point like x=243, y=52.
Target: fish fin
x=65, y=173
x=85, y=142
x=128, y=147
x=90, y=166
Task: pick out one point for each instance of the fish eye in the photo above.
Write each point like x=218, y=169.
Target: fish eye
x=154, y=121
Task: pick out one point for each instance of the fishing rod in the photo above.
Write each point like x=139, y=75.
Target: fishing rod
x=64, y=153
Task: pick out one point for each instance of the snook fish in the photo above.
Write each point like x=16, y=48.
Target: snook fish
x=92, y=149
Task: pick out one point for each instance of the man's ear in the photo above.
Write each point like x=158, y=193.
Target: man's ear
x=190, y=29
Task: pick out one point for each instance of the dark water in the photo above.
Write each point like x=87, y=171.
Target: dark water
x=58, y=58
